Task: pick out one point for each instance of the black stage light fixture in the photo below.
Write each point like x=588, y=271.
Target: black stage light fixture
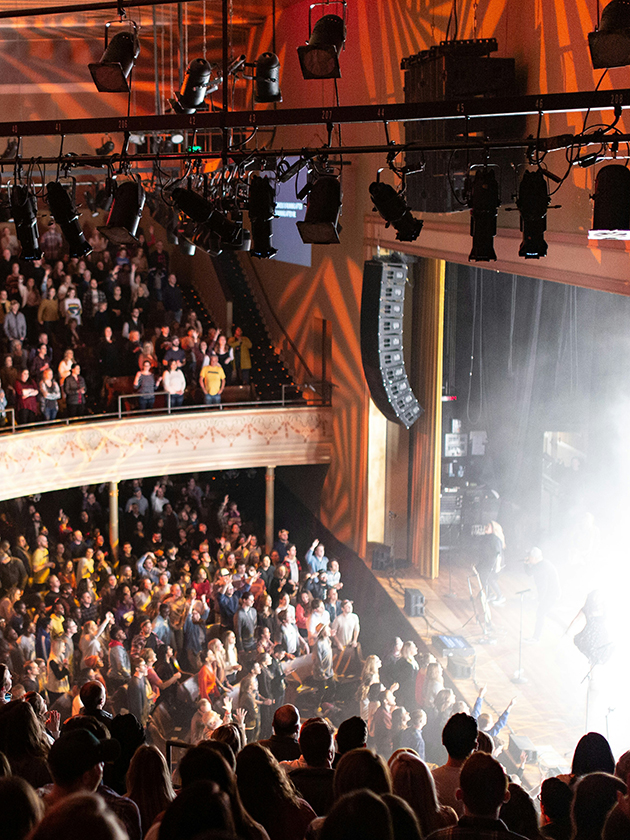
x=65, y=214
x=106, y=147
x=393, y=208
x=611, y=203
x=321, y=220
x=262, y=209
x=125, y=214
x=610, y=43
x=484, y=205
x=267, y=88
x=193, y=91
x=533, y=202
x=105, y=195
x=24, y=210
x=112, y=72
x=10, y=152
x=319, y=59
x=214, y=223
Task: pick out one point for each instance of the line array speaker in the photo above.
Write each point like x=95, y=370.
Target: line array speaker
x=382, y=304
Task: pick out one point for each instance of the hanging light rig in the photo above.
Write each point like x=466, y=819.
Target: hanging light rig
x=111, y=74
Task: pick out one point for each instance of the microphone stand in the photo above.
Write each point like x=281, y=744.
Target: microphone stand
x=518, y=677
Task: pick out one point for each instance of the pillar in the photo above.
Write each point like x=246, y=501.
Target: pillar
x=113, y=519
x=425, y=456
x=270, y=479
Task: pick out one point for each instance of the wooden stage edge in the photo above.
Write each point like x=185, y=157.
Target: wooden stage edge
x=557, y=703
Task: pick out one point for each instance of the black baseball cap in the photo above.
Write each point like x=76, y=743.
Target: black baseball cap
x=76, y=752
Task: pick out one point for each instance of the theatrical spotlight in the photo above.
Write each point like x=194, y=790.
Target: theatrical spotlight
x=106, y=147
x=104, y=196
x=212, y=223
x=65, y=214
x=11, y=150
x=111, y=73
x=262, y=209
x=484, y=205
x=611, y=203
x=533, y=201
x=393, y=208
x=610, y=43
x=319, y=59
x=24, y=210
x=194, y=87
x=125, y=214
x=267, y=82
x=321, y=221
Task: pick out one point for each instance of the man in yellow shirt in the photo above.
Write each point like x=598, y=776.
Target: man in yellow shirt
x=40, y=563
x=212, y=381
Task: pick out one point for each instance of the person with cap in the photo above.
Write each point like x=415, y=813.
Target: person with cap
x=76, y=764
x=547, y=583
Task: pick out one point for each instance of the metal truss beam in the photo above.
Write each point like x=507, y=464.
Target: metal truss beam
x=550, y=103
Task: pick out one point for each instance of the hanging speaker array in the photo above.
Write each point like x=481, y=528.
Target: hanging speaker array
x=382, y=305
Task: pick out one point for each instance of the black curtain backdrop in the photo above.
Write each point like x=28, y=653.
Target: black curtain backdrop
x=535, y=356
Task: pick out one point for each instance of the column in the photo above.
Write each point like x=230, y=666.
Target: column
x=113, y=519
x=270, y=479
x=425, y=455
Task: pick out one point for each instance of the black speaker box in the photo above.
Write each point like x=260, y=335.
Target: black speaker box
x=381, y=557
x=519, y=744
x=451, y=72
x=414, y=603
x=382, y=304
x=460, y=668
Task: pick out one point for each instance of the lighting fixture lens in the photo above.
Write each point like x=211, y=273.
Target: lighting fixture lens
x=65, y=214
x=321, y=221
x=111, y=73
x=610, y=44
x=393, y=208
x=125, y=214
x=484, y=204
x=319, y=59
x=106, y=148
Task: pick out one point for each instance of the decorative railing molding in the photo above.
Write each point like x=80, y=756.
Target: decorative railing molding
x=37, y=461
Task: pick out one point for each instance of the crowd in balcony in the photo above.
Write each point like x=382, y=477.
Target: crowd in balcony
x=75, y=333
x=254, y=661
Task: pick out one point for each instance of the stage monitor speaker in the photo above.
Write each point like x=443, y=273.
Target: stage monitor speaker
x=521, y=744
x=456, y=71
x=460, y=668
x=414, y=603
x=381, y=557
x=382, y=304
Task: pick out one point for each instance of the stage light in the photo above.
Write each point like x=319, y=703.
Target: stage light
x=177, y=138
x=319, y=59
x=105, y=195
x=611, y=203
x=106, y=147
x=267, y=78
x=610, y=43
x=65, y=214
x=24, y=210
x=194, y=87
x=262, y=209
x=214, y=224
x=111, y=73
x=484, y=205
x=125, y=214
x=321, y=221
x=393, y=208
x=533, y=201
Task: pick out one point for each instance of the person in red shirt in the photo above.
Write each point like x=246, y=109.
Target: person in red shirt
x=26, y=398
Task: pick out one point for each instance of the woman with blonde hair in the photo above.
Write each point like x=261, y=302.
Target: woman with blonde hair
x=149, y=784
x=433, y=684
x=413, y=782
x=58, y=680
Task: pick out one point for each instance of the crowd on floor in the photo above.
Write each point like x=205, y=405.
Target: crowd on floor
x=76, y=333
x=246, y=669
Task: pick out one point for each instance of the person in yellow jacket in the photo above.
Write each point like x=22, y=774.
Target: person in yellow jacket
x=241, y=346
x=41, y=564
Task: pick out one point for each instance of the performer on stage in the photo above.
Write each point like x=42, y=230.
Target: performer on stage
x=593, y=640
x=490, y=561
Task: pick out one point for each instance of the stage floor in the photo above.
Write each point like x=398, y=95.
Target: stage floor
x=556, y=705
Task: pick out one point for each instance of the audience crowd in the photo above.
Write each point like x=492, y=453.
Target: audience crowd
x=246, y=669
x=76, y=333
